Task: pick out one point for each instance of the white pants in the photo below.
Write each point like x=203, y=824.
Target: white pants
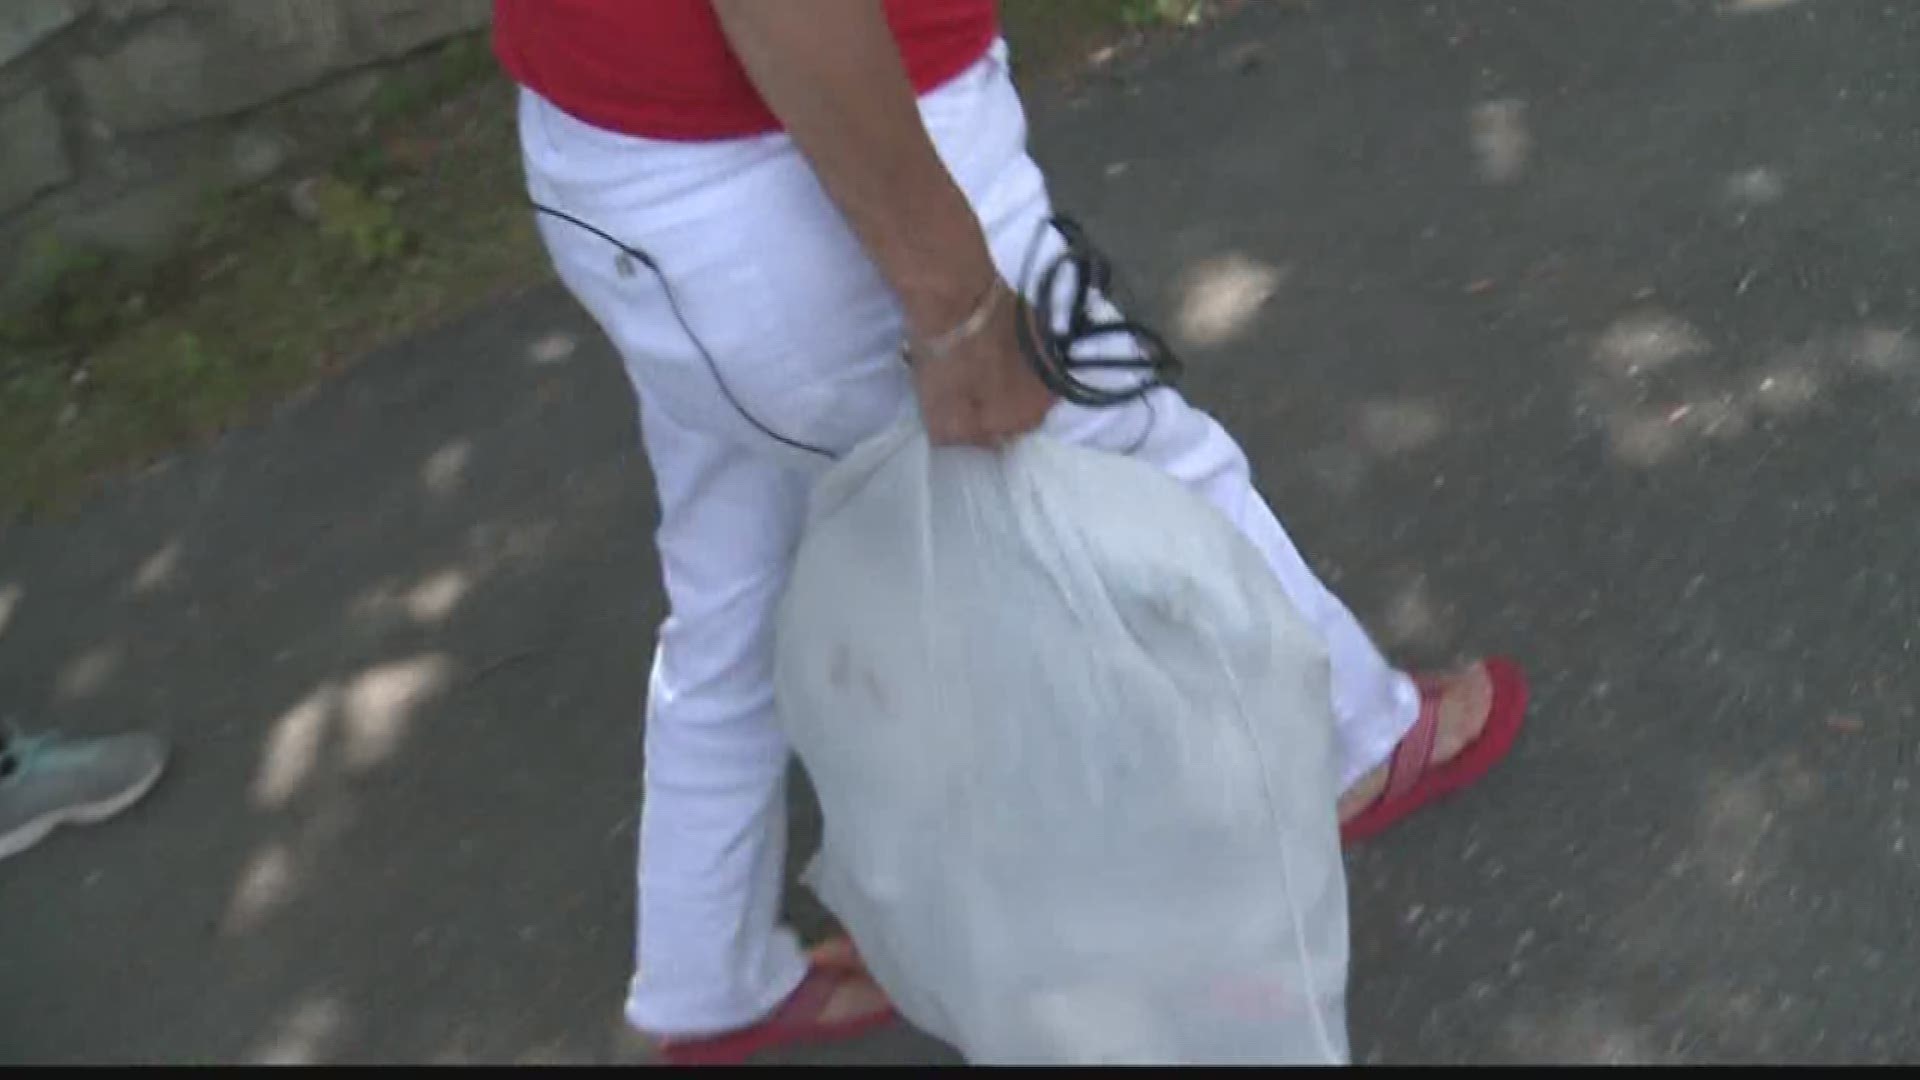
x=785, y=334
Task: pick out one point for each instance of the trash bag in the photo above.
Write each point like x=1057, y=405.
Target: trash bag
x=1074, y=750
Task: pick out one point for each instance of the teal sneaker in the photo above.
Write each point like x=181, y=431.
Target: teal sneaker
x=46, y=782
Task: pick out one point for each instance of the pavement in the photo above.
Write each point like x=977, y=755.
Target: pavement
x=1580, y=331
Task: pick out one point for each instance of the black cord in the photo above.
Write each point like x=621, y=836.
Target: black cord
x=673, y=302
x=1048, y=347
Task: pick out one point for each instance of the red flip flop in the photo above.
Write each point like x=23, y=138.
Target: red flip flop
x=795, y=1023
x=1414, y=779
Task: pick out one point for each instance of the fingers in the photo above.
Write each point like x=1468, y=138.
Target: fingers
x=1019, y=410
x=946, y=431
x=1010, y=427
x=981, y=394
x=971, y=421
x=951, y=419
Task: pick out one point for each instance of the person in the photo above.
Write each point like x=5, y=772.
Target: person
x=48, y=781
x=765, y=205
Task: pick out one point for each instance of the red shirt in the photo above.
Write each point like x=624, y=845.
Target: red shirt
x=662, y=69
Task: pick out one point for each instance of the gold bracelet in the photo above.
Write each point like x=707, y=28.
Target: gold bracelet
x=975, y=322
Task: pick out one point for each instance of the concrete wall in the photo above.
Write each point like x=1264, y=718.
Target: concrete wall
x=118, y=117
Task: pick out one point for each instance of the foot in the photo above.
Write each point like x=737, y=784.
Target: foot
x=855, y=997
x=46, y=782
x=1465, y=702
x=837, y=1000
x=1468, y=723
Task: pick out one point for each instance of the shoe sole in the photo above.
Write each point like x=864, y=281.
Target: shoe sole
x=40, y=828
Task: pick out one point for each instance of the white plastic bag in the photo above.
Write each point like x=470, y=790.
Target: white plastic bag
x=1074, y=750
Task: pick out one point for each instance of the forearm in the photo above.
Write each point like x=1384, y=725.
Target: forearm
x=829, y=69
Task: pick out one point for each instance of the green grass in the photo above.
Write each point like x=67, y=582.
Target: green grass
x=420, y=220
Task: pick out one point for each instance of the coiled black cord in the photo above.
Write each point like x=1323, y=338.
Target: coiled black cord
x=1051, y=347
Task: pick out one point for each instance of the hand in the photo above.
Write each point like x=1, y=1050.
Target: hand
x=982, y=392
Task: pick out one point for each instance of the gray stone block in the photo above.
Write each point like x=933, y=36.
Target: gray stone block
x=346, y=97
x=26, y=23
x=173, y=100
x=145, y=222
x=387, y=28
x=255, y=154
x=119, y=11
x=175, y=70
x=33, y=156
